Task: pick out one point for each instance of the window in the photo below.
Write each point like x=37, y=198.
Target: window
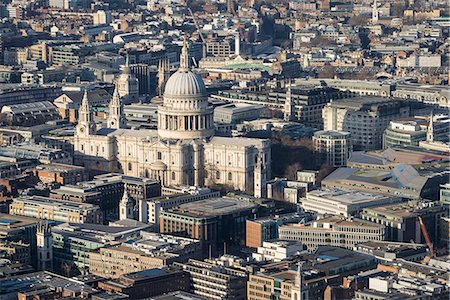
x=159, y=155
x=173, y=176
x=217, y=175
x=230, y=176
x=130, y=167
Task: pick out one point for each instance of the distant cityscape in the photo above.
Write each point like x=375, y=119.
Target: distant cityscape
x=224, y=149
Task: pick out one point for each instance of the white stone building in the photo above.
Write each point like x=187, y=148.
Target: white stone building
x=183, y=151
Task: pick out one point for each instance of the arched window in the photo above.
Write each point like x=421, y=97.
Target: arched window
x=146, y=173
x=173, y=175
x=217, y=175
x=130, y=167
x=230, y=176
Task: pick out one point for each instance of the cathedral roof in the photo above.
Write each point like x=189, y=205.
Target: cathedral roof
x=185, y=83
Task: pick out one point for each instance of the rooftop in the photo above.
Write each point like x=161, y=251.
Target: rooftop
x=212, y=207
x=347, y=196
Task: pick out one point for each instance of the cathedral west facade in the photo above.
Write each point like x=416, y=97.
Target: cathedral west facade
x=183, y=151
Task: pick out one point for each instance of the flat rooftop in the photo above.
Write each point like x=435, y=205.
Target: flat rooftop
x=347, y=196
x=406, y=209
x=212, y=207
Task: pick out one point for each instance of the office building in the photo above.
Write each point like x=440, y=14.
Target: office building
x=343, y=202
x=277, y=250
x=236, y=113
x=148, y=283
x=266, y=229
x=73, y=243
x=401, y=220
x=365, y=118
x=212, y=281
x=333, y=231
x=106, y=191
x=336, y=146
x=412, y=131
x=60, y=173
x=213, y=221
x=187, y=195
x=56, y=210
x=391, y=251
x=400, y=181
x=150, y=250
x=44, y=285
x=305, y=102
x=30, y=114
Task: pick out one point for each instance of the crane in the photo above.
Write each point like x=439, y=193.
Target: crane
x=426, y=236
x=199, y=32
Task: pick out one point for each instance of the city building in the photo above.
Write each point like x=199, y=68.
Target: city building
x=155, y=205
x=213, y=221
x=390, y=251
x=277, y=250
x=344, y=202
x=60, y=173
x=43, y=285
x=73, y=244
x=106, y=190
x=185, y=121
x=30, y=114
x=401, y=220
x=336, y=146
x=266, y=229
x=306, y=102
x=333, y=231
x=56, y=210
x=212, y=281
x=411, y=131
x=400, y=181
x=150, y=250
x=365, y=118
x=148, y=283
x=236, y=113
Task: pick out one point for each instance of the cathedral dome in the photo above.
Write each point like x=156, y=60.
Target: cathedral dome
x=184, y=83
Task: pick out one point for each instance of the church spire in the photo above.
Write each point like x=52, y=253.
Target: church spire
x=289, y=103
x=184, y=57
x=86, y=124
x=125, y=207
x=116, y=116
x=375, y=13
x=126, y=69
x=430, y=129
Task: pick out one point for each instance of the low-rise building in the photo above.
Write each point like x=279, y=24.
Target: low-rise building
x=343, y=202
x=236, y=113
x=148, y=283
x=386, y=251
x=265, y=229
x=277, y=250
x=73, y=243
x=401, y=220
x=150, y=251
x=60, y=173
x=56, y=210
x=213, y=281
x=213, y=221
x=157, y=204
x=333, y=231
x=29, y=114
